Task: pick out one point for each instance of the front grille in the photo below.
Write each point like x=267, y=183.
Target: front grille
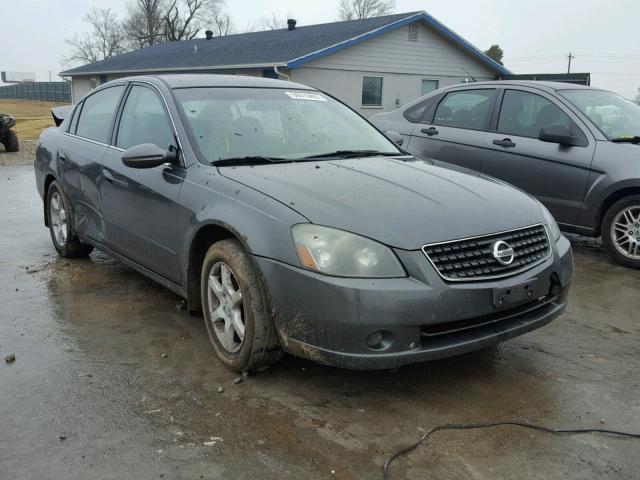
x=472, y=258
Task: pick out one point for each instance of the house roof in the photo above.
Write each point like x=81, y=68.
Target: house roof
x=282, y=48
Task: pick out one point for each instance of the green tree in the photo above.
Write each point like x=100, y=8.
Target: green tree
x=496, y=53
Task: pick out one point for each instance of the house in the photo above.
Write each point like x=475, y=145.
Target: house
x=374, y=64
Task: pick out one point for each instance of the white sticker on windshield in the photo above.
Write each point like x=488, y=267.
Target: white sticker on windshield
x=306, y=96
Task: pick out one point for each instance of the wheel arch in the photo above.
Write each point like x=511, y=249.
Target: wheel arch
x=610, y=200
x=204, y=237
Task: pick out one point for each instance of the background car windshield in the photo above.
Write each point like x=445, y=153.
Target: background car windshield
x=614, y=115
x=292, y=124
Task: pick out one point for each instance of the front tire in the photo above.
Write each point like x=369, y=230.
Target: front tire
x=61, y=224
x=236, y=309
x=621, y=231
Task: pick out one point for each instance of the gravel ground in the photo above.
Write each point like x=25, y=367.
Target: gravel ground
x=24, y=157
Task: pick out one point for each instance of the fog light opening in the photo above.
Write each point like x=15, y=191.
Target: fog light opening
x=378, y=340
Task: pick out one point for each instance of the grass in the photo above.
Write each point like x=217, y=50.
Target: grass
x=32, y=116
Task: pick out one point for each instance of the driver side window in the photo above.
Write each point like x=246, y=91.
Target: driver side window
x=144, y=120
x=524, y=114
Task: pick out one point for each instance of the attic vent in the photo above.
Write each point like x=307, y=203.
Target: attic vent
x=413, y=32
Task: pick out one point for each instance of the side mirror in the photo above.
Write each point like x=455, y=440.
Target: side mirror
x=561, y=135
x=395, y=137
x=148, y=155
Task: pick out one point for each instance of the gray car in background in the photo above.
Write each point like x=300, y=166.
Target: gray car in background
x=295, y=225
x=575, y=148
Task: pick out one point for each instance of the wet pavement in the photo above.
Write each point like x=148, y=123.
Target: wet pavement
x=114, y=379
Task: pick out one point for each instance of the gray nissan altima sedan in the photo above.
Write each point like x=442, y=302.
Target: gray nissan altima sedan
x=295, y=225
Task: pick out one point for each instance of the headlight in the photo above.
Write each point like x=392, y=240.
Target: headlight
x=554, y=230
x=335, y=252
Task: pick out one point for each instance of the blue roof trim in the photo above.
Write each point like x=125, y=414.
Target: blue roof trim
x=423, y=16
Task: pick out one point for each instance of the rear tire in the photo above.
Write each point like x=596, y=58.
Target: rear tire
x=621, y=231
x=61, y=224
x=11, y=142
x=236, y=309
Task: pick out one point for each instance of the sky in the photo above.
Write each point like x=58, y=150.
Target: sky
x=536, y=36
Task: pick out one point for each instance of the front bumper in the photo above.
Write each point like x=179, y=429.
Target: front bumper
x=421, y=317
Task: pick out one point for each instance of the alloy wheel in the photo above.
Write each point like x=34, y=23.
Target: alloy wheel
x=625, y=232
x=58, y=219
x=225, y=307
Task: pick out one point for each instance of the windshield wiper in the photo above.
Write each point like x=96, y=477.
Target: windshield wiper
x=634, y=139
x=354, y=153
x=252, y=159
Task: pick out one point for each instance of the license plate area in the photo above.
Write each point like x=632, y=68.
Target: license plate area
x=524, y=292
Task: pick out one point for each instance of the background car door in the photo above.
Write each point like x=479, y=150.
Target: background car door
x=81, y=154
x=140, y=205
x=556, y=174
x=456, y=132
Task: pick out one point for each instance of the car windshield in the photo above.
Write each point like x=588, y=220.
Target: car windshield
x=615, y=116
x=231, y=123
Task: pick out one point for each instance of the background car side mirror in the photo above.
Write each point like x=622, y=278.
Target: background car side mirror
x=148, y=155
x=395, y=137
x=560, y=134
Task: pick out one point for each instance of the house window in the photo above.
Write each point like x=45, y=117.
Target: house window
x=371, y=91
x=428, y=86
x=413, y=32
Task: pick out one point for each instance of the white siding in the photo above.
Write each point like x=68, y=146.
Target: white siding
x=403, y=64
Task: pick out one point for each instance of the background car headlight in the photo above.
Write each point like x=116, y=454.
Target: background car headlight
x=344, y=254
x=554, y=230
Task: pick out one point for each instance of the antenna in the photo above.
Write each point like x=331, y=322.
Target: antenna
x=469, y=75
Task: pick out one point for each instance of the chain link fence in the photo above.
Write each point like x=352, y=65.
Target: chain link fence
x=48, y=91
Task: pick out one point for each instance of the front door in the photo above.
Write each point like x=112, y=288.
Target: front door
x=456, y=132
x=141, y=205
x=555, y=174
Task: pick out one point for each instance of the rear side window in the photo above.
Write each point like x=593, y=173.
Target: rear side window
x=74, y=120
x=144, y=120
x=469, y=109
x=97, y=114
x=416, y=113
x=524, y=114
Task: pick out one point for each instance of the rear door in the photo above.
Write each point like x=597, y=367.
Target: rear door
x=455, y=130
x=556, y=174
x=140, y=205
x=80, y=156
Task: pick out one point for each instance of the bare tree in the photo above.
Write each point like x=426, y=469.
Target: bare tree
x=221, y=23
x=358, y=9
x=183, y=19
x=274, y=21
x=104, y=40
x=144, y=23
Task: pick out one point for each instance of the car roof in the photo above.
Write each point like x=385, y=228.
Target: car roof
x=529, y=83
x=198, y=80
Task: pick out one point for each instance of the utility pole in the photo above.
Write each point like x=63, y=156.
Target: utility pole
x=570, y=57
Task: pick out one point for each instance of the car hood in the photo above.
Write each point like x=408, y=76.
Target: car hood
x=402, y=202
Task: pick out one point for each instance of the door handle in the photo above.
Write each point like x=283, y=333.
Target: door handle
x=108, y=177
x=430, y=131
x=61, y=156
x=506, y=143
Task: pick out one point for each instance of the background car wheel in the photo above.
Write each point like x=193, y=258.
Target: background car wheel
x=61, y=226
x=236, y=310
x=11, y=142
x=621, y=231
